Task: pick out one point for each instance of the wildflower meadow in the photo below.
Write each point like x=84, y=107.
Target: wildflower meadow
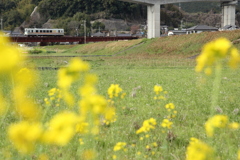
x=96, y=109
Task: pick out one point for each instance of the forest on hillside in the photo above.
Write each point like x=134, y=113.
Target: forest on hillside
x=15, y=12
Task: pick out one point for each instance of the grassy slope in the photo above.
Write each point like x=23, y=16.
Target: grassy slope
x=184, y=45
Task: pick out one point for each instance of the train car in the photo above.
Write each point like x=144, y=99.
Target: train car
x=43, y=32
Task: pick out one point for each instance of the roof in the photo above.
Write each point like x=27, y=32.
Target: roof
x=229, y=27
x=98, y=34
x=202, y=27
x=124, y=35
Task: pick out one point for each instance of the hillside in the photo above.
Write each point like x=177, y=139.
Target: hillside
x=182, y=45
x=70, y=14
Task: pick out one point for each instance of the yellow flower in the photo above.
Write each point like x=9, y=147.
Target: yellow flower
x=147, y=125
x=61, y=129
x=24, y=135
x=25, y=107
x=87, y=90
x=217, y=121
x=77, y=65
x=234, y=125
x=9, y=56
x=89, y=155
x=110, y=114
x=114, y=157
x=123, y=95
x=198, y=150
x=94, y=104
x=208, y=71
x=64, y=80
x=166, y=124
x=120, y=146
x=43, y=157
x=114, y=90
x=215, y=51
x=25, y=77
x=154, y=144
x=81, y=141
x=82, y=127
x=90, y=79
x=169, y=106
x=157, y=89
x=68, y=98
x=234, y=58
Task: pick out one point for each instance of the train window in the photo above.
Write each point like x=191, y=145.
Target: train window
x=51, y=31
x=37, y=31
x=41, y=31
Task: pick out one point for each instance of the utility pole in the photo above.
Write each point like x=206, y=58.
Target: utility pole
x=1, y=24
x=85, y=36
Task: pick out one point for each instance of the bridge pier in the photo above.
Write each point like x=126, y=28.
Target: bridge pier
x=153, y=20
x=228, y=13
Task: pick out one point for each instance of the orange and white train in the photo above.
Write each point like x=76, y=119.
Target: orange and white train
x=43, y=32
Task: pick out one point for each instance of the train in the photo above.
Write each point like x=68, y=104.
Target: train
x=31, y=32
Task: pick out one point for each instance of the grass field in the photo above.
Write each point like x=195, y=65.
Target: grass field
x=137, y=71
x=189, y=91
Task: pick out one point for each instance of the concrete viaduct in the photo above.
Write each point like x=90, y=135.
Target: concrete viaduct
x=153, y=12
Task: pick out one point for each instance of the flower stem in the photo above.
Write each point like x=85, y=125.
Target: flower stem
x=216, y=87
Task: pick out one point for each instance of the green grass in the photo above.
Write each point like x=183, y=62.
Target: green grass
x=156, y=62
x=190, y=92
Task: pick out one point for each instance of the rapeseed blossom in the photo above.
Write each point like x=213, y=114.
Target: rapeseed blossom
x=147, y=125
x=120, y=146
x=166, y=124
x=198, y=150
x=24, y=135
x=67, y=76
x=157, y=89
x=61, y=128
x=114, y=90
x=25, y=106
x=234, y=125
x=82, y=127
x=214, y=52
x=10, y=56
x=95, y=104
x=170, y=106
x=217, y=121
x=89, y=155
x=55, y=96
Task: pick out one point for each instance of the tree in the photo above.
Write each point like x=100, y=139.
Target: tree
x=98, y=25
